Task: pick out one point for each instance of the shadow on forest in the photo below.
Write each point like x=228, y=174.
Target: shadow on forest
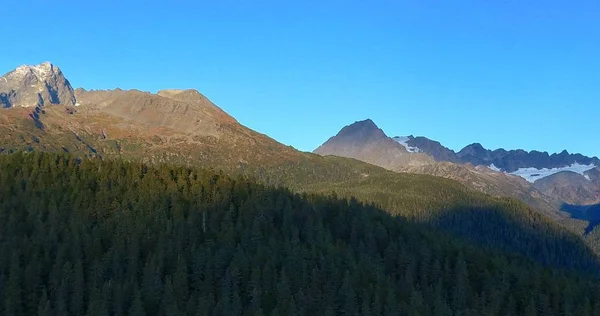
x=520, y=234
x=589, y=213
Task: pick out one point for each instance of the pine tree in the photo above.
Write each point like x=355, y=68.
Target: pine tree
x=136, y=308
x=168, y=302
x=12, y=293
x=44, y=308
x=78, y=286
x=152, y=287
x=460, y=291
x=181, y=282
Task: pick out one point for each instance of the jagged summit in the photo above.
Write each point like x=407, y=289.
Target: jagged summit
x=37, y=85
x=362, y=130
x=513, y=160
x=39, y=71
x=364, y=140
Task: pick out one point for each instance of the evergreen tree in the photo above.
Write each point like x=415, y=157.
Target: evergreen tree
x=92, y=237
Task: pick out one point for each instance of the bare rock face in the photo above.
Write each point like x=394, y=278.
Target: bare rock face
x=32, y=86
x=364, y=141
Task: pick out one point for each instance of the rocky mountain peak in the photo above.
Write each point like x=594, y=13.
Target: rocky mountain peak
x=37, y=85
x=475, y=149
x=185, y=95
x=360, y=130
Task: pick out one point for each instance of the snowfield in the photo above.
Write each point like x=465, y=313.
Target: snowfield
x=403, y=140
x=533, y=174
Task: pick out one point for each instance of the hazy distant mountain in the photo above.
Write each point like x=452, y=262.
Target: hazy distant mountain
x=570, y=178
x=563, y=176
x=364, y=141
x=430, y=147
x=566, y=177
x=31, y=86
x=513, y=160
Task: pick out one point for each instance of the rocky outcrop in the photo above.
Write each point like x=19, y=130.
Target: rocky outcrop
x=32, y=86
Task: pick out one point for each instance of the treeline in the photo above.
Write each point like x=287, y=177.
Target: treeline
x=90, y=237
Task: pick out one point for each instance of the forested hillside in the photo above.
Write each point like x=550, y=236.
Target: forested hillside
x=497, y=223
x=92, y=132
x=92, y=237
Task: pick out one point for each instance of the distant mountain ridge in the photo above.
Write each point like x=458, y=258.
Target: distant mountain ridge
x=365, y=141
x=512, y=160
x=571, y=178
x=567, y=177
x=431, y=147
x=505, y=160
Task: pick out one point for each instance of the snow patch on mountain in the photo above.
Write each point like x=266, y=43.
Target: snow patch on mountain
x=493, y=167
x=533, y=174
x=403, y=140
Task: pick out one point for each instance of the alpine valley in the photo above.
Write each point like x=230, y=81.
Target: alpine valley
x=116, y=202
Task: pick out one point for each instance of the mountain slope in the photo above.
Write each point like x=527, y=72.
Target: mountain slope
x=183, y=111
x=570, y=187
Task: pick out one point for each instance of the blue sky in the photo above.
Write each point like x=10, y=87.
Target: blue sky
x=505, y=73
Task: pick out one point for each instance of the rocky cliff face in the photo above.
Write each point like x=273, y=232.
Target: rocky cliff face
x=31, y=86
x=513, y=160
x=430, y=147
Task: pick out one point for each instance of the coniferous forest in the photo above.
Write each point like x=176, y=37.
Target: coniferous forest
x=92, y=237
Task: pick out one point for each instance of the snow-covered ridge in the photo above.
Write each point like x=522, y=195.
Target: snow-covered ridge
x=403, y=140
x=41, y=71
x=533, y=174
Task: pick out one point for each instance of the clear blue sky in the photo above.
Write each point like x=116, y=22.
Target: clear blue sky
x=505, y=73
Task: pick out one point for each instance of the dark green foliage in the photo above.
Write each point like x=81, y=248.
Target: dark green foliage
x=496, y=223
x=89, y=237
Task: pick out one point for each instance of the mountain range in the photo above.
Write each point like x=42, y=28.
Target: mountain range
x=405, y=176
x=541, y=179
